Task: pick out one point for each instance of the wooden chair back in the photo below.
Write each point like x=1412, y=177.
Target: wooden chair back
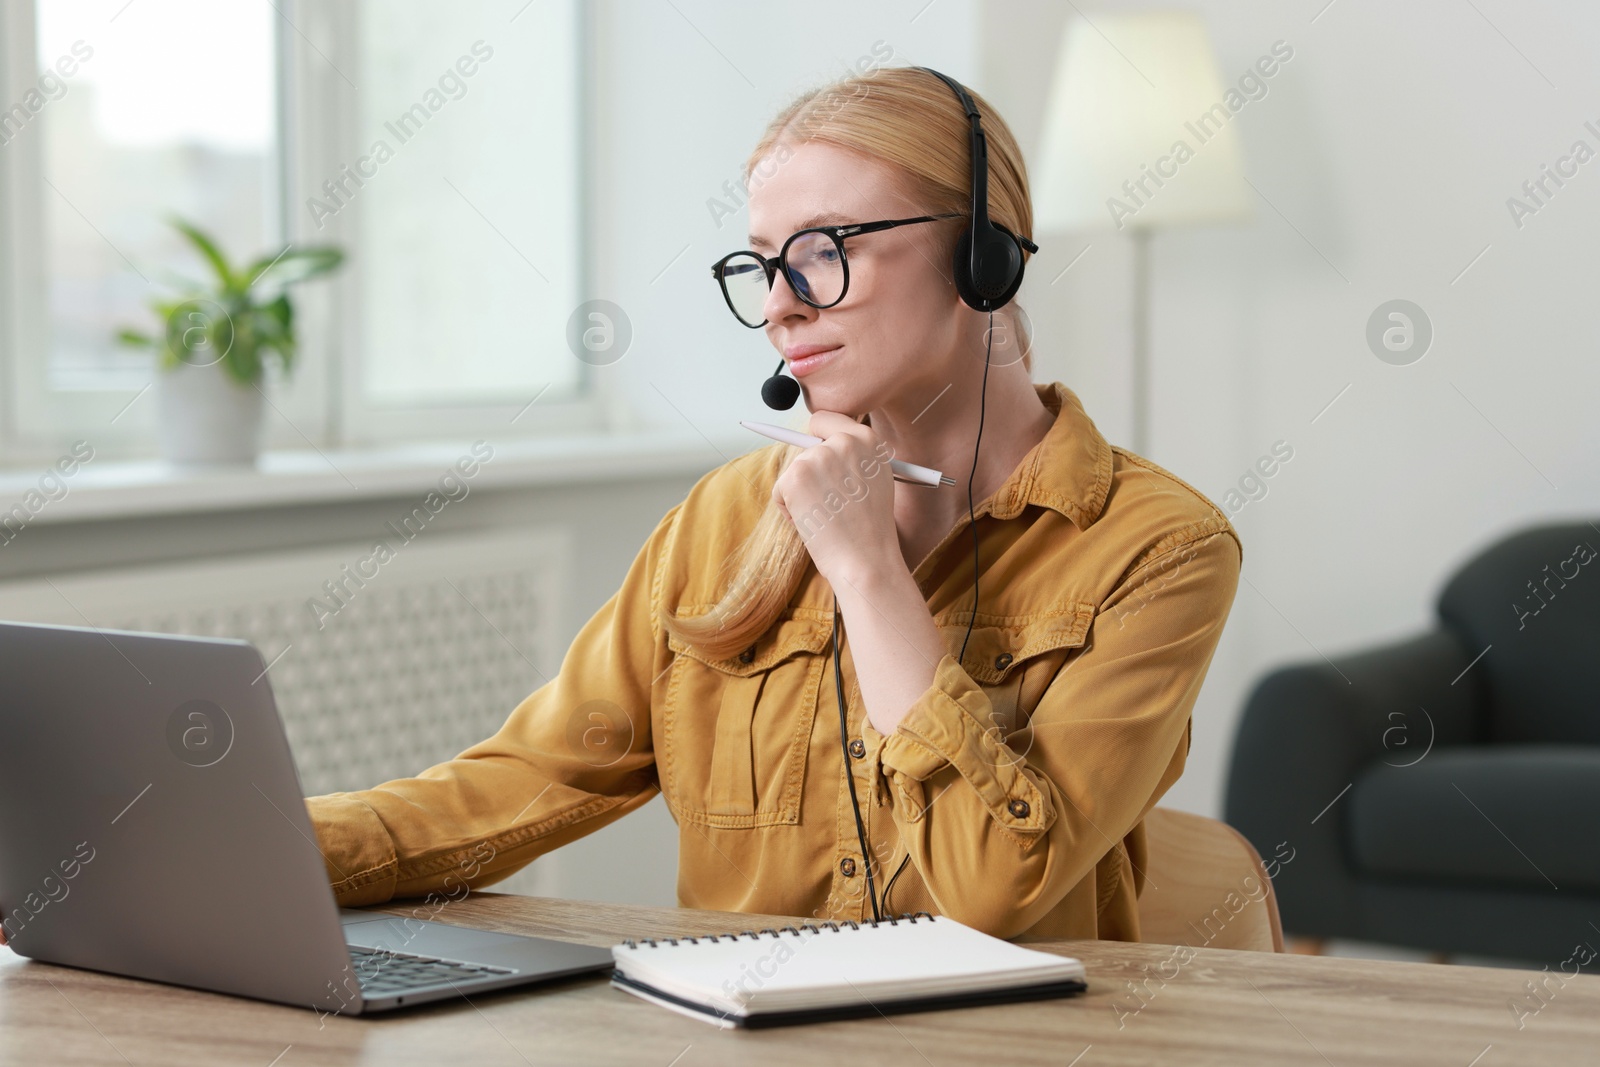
x=1205, y=886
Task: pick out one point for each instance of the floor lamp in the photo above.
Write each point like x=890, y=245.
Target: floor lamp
x=1139, y=135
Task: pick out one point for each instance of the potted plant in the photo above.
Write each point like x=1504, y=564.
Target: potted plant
x=213, y=346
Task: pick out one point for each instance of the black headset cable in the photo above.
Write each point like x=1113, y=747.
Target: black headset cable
x=849, y=770
x=972, y=518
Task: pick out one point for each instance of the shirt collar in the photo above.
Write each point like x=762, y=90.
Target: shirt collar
x=1069, y=470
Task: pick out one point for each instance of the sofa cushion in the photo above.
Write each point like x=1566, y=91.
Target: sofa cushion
x=1514, y=815
x=1530, y=604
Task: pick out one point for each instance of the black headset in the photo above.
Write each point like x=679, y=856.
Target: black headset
x=988, y=261
x=987, y=267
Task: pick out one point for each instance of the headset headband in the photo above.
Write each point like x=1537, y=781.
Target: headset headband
x=979, y=156
x=981, y=233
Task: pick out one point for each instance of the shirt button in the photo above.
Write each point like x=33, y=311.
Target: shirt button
x=847, y=867
x=748, y=655
x=1019, y=808
x=1002, y=661
x=858, y=749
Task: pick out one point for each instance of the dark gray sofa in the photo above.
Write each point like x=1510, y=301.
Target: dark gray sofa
x=1436, y=795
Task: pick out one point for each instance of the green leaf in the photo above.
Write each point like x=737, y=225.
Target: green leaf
x=281, y=312
x=293, y=266
x=208, y=249
x=135, y=339
x=197, y=336
x=243, y=362
x=277, y=330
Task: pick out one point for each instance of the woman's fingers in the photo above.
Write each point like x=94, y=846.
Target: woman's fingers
x=826, y=424
x=849, y=442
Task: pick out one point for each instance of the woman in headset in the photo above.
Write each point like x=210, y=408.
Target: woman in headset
x=991, y=765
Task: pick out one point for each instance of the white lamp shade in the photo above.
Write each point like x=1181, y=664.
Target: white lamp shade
x=1139, y=132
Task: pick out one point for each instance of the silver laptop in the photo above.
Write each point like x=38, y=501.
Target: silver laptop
x=152, y=824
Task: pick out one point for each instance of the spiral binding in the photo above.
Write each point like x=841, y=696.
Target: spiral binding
x=734, y=935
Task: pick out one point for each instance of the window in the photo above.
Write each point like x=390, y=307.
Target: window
x=111, y=120
x=460, y=249
x=438, y=144
x=175, y=115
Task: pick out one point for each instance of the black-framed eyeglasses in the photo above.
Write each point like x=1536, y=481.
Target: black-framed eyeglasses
x=813, y=261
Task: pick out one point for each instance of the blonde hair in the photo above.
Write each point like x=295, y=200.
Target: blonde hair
x=914, y=122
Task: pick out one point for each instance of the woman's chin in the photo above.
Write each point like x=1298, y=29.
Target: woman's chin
x=824, y=399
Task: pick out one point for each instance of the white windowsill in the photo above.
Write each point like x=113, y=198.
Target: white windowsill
x=110, y=490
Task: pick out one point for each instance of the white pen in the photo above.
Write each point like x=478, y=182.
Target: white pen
x=903, y=471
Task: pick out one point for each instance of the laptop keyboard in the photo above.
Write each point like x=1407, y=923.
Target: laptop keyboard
x=382, y=971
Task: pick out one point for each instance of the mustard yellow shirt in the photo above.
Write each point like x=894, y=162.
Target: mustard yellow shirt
x=1016, y=784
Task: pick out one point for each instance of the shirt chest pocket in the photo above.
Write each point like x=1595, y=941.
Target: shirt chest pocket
x=736, y=730
x=1015, y=659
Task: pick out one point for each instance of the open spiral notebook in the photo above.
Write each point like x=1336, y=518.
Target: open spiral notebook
x=814, y=972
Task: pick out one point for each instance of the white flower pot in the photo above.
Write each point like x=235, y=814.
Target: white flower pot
x=207, y=418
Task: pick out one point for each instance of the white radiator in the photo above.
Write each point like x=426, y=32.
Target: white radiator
x=405, y=663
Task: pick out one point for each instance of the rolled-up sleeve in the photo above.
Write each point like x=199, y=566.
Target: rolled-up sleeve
x=572, y=757
x=1001, y=829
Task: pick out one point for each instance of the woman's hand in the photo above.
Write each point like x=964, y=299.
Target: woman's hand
x=840, y=496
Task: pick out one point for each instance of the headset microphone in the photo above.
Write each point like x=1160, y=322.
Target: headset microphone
x=780, y=393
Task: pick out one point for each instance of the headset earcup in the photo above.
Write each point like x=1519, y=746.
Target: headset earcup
x=1000, y=266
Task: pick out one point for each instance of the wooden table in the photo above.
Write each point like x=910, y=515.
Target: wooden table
x=1219, y=1007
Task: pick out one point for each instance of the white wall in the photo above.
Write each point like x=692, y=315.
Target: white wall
x=1390, y=142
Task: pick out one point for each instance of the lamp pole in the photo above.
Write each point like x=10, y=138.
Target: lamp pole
x=1141, y=341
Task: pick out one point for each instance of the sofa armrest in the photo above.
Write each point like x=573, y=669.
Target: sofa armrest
x=1308, y=731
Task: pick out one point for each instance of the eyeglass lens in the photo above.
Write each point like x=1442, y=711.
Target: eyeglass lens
x=813, y=264
x=744, y=279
